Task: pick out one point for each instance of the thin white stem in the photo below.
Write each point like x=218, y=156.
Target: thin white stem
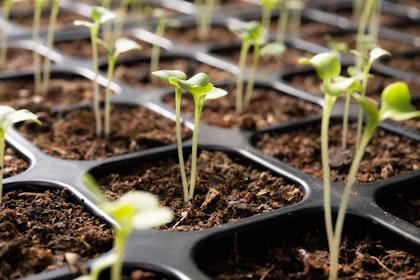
x=179, y=143
x=198, y=108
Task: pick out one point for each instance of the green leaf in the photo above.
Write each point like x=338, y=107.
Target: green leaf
x=370, y=107
x=273, y=49
x=152, y=218
x=165, y=75
x=270, y=3
x=396, y=103
x=101, y=14
x=84, y=23
x=342, y=84
x=327, y=65
x=123, y=45
x=9, y=116
x=376, y=53
x=216, y=93
x=199, y=81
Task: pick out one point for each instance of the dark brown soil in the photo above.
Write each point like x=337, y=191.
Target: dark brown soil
x=228, y=189
x=39, y=227
x=267, y=107
x=386, y=156
x=307, y=258
x=133, y=129
x=18, y=59
x=13, y=163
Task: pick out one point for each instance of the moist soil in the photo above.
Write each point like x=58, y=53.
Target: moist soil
x=133, y=129
x=307, y=258
x=228, y=188
x=14, y=163
x=386, y=156
x=38, y=227
x=267, y=107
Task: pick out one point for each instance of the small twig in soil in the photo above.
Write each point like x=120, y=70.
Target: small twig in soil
x=383, y=266
x=267, y=272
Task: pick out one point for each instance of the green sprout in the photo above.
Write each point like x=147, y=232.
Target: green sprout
x=267, y=9
x=251, y=34
x=9, y=116
x=121, y=45
x=328, y=67
x=35, y=36
x=201, y=90
x=363, y=75
x=204, y=17
x=50, y=41
x=133, y=210
x=395, y=105
x=163, y=22
x=99, y=16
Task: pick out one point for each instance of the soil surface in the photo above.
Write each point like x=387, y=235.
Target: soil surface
x=14, y=163
x=132, y=129
x=228, y=188
x=307, y=258
x=38, y=227
x=386, y=156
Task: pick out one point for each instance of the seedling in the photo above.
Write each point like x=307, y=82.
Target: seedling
x=35, y=36
x=204, y=17
x=99, y=16
x=201, y=90
x=122, y=45
x=9, y=116
x=251, y=34
x=363, y=75
x=133, y=210
x=328, y=68
x=50, y=38
x=163, y=22
x=395, y=105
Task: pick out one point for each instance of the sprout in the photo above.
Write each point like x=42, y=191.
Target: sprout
x=3, y=32
x=395, y=105
x=163, y=21
x=9, y=116
x=203, y=17
x=99, y=16
x=252, y=34
x=134, y=210
x=201, y=90
x=122, y=45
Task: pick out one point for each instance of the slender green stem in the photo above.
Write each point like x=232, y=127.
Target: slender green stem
x=329, y=102
x=7, y=4
x=178, y=93
x=361, y=31
x=119, y=245
x=96, y=109
x=155, y=55
x=35, y=36
x=251, y=78
x=107, y=109
x=107, y=26
x=240, y=79
x=198, y=108
x=50, y=37
x=345, y=122
x=282, y=23
x=119, y=24
x=2, y=148
x=334, y=250
x=266, y=17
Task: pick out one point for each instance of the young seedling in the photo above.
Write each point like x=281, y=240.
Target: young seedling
x=204, y=17
x=328, y=68
x=9, y=116
x=99, y=16
x=363, y=75
x=267, y=9
x=163, y=22
x=201, y=90
x=121, y=45
x=251, y=34
x=35, y=36
x=55, y=7
x=133, y=210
